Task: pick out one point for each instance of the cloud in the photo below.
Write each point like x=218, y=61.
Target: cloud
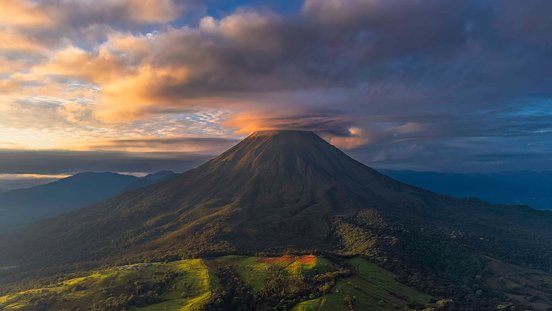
x=335, y=128
x=209, y=145
x=380, y=52
x=86, y=12
x=384, y=29
x=8, y=66
x=524, y=22
x=74, y=113
x=58, y=23
x=384, y=78
x=23, y=14
x=70, y=162
x=249, y=122
x=12, y=41
x=126, y=89
x=131, y=96
x=95, y=67
x=151, y=11
x=355, y=138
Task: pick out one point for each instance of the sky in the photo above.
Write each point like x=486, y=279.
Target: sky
x=138, y=86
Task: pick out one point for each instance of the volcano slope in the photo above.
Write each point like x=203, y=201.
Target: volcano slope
x=291, y=191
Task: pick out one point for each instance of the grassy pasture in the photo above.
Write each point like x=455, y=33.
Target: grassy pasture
x=372, y=289
x=189, y=291
x=256, y=271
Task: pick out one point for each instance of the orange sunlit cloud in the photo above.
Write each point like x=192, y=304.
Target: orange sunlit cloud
x=126, y=90
x=358, y=138
x=13, y=41
x=32, y=176
x=247, y=123
x=131, y=96
x=24, y=14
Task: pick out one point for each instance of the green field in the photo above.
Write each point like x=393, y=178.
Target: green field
x=188, y=291
x=66, y=291
x=372, y=288
x=255, y=271
x=190, y=284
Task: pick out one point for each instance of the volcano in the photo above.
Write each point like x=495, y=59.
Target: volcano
x=277, y=191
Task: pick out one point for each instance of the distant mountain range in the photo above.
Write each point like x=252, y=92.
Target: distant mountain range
x=24, y=206
x=21, y=183
x=529, y=188
x=282, y=192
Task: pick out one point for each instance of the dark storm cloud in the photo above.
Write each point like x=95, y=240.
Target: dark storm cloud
x=385, y=55
x=455, y=155
x=470, y=142
x=324, y=46
x=70, y=162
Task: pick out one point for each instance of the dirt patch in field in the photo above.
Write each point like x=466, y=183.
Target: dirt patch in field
x=305, y=260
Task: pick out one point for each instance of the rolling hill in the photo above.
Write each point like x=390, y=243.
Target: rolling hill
x=23, y=206
x=291, y=191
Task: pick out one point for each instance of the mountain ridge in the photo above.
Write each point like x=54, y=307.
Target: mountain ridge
x=20, y=207
x=516, y=188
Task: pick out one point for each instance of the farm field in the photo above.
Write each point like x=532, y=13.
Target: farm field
x=309, y=282
x=179, y=285
x=371, y=288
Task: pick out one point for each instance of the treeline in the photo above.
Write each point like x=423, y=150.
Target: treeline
x=282, y=291
x=137, y=294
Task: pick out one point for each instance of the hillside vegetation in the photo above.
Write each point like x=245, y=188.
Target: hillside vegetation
x=278, y=283
x=179, y=285
x=370, y=288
